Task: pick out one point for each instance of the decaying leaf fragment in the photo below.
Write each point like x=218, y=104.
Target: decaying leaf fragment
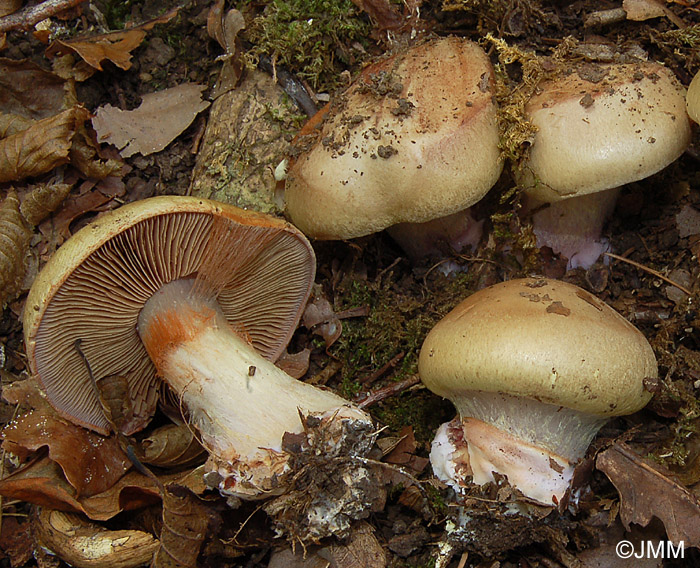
x=14, y=244
x=185, y=523
x=84, y=544
x=115, y=46
x=43, y=200
x=171, y=445
x=149, y=128
x=41, y=147
x=646, y=492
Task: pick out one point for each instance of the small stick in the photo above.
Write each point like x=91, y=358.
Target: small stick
x=365, y=400
x=369, y=379
x=650, y=271
x=31, y=15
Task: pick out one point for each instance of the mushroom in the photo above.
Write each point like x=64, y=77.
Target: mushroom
x=203, y=295
x=412, y=141
x=598, y=128
x=692, y=98
x=534, y=367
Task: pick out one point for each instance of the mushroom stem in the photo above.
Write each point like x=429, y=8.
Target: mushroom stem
x=572, y=227
x=456, y=231
x=226, y=387
x=534, y=444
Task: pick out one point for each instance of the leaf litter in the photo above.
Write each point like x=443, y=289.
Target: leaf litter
x=386, y=535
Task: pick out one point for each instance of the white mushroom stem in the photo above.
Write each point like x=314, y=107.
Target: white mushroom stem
x=456, y=231
x=534, y=444
x=572, y=227
x=240, y=403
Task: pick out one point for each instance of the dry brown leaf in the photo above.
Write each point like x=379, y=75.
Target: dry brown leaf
x=382, y=12
x=13, y=123
x=404, y=452
x=41, y=147
x=9, y=6
x=32, y=92
x=320, y=318
x=640, y=10
x=171, y=445
x=362, y=550
x=185, y=521
x=17, y=541
x=160, y=119
x=42, y=483
x=91, y=463
x=85, y=544
x=14, y=245
x=294, y=364
x=647, y=492
x=43, y=200
x=688, y=221
x=115, y=46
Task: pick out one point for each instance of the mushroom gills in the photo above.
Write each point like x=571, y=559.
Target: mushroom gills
x=226, y=386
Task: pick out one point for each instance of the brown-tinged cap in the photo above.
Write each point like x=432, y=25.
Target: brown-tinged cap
x=413, y=139
x=542, y=339
x=93, y=288
x=602, y=127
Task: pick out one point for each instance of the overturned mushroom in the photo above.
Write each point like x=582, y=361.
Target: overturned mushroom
x=204, y=295
x=598, y=128
x=410, y=146
x=535, y=367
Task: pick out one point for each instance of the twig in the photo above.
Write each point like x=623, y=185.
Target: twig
x=365, y=400
x=650, y=271
x=369, y=379
x=25, y=19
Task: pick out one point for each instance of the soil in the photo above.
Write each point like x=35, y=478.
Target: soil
x=390, y=304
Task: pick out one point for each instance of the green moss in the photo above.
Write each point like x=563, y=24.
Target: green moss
x=312, y=38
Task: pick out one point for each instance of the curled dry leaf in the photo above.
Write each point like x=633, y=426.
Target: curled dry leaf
x=647, y=492
x=185, y=521
x=42, y=483
x=91, y=463
x=14, y=244
x=12, y=124
x=85, y=544
x=43, y=200
x=171, y=445
x=115, y=46
x=41, y=147
x=145, y=130
x=9, y=6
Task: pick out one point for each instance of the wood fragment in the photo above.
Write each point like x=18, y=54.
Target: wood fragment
x=32, y=15
x=367, y=399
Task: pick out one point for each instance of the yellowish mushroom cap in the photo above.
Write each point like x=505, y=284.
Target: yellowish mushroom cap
x=541, y=339
x=692, y=98
x=413, y=139
x=602, y=127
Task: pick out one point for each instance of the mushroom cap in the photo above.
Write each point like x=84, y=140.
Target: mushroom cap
x=94, y=286
x=692, y=98
x=414, y=138
x=542, y=339
x=602, y=127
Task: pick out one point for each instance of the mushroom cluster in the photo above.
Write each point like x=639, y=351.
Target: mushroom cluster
x=598, y=128
x=409, y=146
x=204, y=296
x=534, y=367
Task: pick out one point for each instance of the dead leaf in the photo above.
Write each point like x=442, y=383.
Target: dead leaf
x=17, y=541
x=647, y=492
x=688, y=221
x=320, y=318
x=294, y=364
x=91, y=463
x=13, y=123
x=115, y=46
x=160, y=119
x=185, y=523
x=288, y=558
x=41, y=147
x=14, y=245
x=362, y=550
x=32, y=92
x=9, y=6
x=43, y=200
x=404, y=452
x=382, y=12
x=42, y=483
x=641, y=10
x=85, y=544
x=171, y=445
